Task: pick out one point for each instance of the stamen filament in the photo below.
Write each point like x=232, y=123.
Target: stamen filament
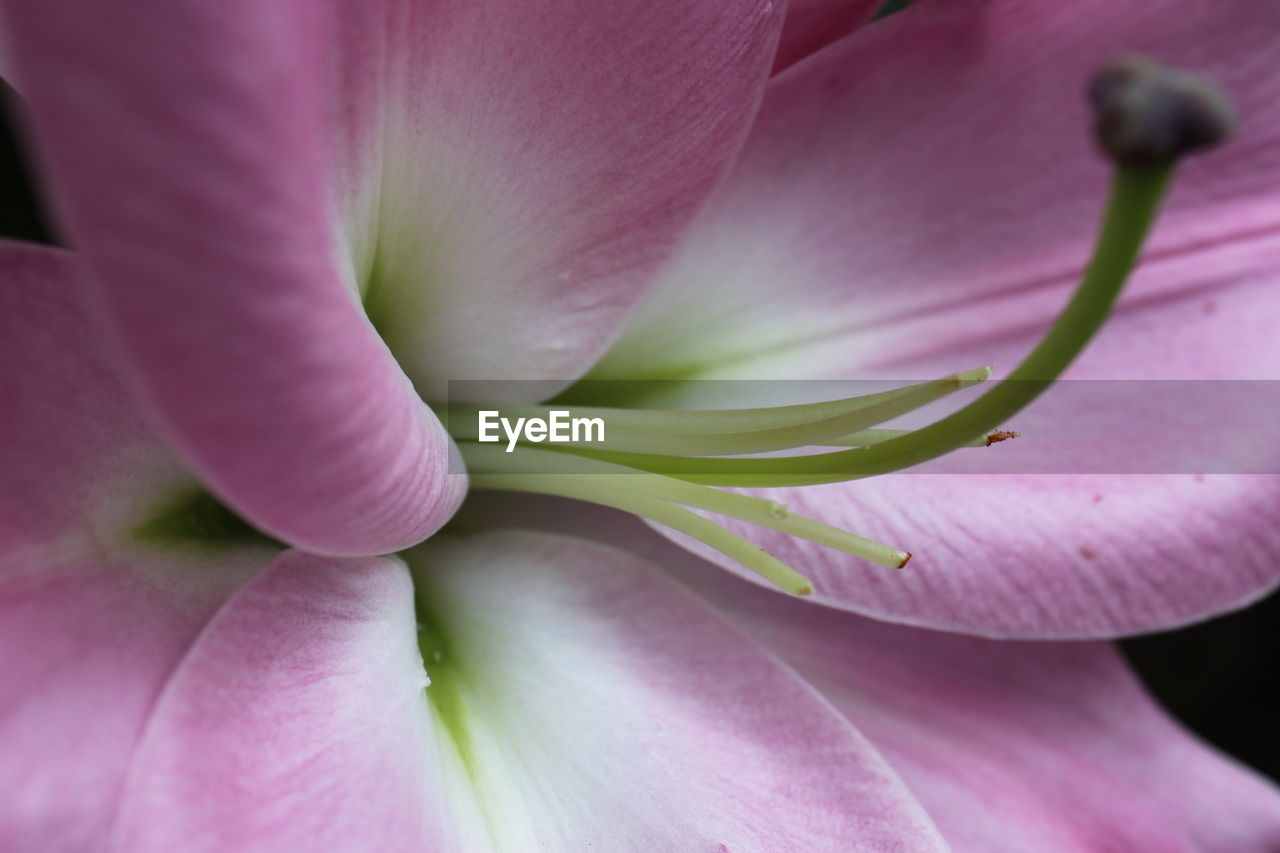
x=489, y=469
x=758, y=430
x=868, y=437
x=638, y=503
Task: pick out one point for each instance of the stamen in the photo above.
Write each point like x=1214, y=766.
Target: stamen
x=999, y=436
x=868, y=437
x=741, y=431
x=646, y=506
x=490, y=469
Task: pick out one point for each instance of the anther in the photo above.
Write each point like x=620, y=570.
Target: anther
x=1000, y=435
x=1147, y=114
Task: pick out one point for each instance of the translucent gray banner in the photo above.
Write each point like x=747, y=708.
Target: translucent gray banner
x=1074, y=427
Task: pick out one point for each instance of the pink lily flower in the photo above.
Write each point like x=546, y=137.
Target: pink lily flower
x=525, y=191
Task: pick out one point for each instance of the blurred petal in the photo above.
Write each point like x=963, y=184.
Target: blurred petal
x=182, y=144
x=517, y=171
x=68, y=431
x=591, y=704
x=86, y=643
x=91, y=617
x=929, y=183
x=1016, y=746
x=146, y=691
x=143, y=705
x=813, y=24
x=295, y=721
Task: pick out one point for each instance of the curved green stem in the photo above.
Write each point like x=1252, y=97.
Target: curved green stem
x=1135, y=197
x=868, y=437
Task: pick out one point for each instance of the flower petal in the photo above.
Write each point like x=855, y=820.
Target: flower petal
x=929, y=182
x=65, y=420
x=1015, y=746
x=91, y=616
x=1077, y=555
x=182, y=143
x=519, y=170
x=592, y=704
x=143, y=706
x=295, y=721
x=86, y=641
x=813, y=24
x=1060, y=556
x=124, y=644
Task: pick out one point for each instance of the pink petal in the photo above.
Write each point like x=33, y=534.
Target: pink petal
x=155, y=699
x=929, y=183
x=182, y=144
x=1016, y=746
x=86, y=641
x=107, y=634
x=79, y=461
x=1068, y=556
x=517, y=171
x=599, y=706
x=143, y=707
x=90, y=619
x=813, y=24
x=1077, y=555
x=295, y=721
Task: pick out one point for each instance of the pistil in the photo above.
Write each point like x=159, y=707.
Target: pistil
x=663, y=464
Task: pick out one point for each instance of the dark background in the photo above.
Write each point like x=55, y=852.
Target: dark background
x=1219, y=677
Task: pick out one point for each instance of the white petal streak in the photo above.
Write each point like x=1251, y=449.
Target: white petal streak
x=595, y=705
